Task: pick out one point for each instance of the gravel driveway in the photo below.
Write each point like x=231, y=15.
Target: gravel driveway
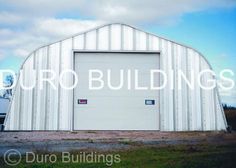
x=105, y=140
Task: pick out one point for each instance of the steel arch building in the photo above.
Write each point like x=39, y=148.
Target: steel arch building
x=115, y=46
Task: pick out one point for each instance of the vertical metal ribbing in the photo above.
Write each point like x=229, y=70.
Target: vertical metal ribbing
x=33, y=93
x=73, y=43
x=109, y=37
x=134, y=39
x=122, y=37
x=147, y=41
x=15, y=105
x=173, y=91
x=97, y=38
x=166, y=90
x=215, y=108
x=186, y=98
x=20, y=102
x=85, y=39
x=47, y=95
x=11, y=118
x=73, y=80
x=176, y=63
x=221, y=107
x=36, y=90
x=161, y=68
x=161, y=119
x=187, y=90
x=150, y=42
x=215, y=105
x=59, y=88
x=202, y=100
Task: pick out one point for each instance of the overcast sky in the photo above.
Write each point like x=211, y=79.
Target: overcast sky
x=207, y=25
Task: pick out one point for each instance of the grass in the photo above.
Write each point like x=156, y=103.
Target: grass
x=164, y=157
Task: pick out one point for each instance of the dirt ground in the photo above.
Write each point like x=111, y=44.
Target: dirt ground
x=11, y=137
x=106, y=140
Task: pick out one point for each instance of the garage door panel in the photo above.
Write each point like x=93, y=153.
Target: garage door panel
x=117, y=93
x=119, y=102
x=115, y=121
x=143, y=81
x=122, y=109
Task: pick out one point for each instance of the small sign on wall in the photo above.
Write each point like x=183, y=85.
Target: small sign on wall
x=82, y=101
x=149, y=102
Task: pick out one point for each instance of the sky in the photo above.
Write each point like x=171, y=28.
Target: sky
x=206, y=25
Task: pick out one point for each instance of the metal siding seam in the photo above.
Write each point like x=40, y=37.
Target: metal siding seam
x=33, y=95
x=72, y=43
x=73, y=65
x=187, y=90
x=20, y=103
x=147, y=41
x=24, y=115
x=215, y=109
x=23, y=94
x=15, y=112
x=212, y=99
x=166, y=90
x=85, y=39
x=185, y=100
x=97, y=36
x=183, y=96
x=160, y=112
x=190, y=61
x=173, y=91
x=150, y=43
x=109, y=37
x=201, y=97
x=122, y=38
x=18, y=107
x=36, y=90
x=47, y=99
x=163, y=92
x=69, y=92
x=176, y=58
x=59, y=88
x=134, y=39
x=159, y=92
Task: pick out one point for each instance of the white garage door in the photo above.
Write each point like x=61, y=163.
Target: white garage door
x=123, y=109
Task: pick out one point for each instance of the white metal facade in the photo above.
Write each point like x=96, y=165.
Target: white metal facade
x=180, y=110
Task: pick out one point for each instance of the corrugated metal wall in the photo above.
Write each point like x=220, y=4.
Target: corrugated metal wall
x=181, y=110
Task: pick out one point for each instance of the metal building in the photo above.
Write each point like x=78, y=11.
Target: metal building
x=115, y=46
